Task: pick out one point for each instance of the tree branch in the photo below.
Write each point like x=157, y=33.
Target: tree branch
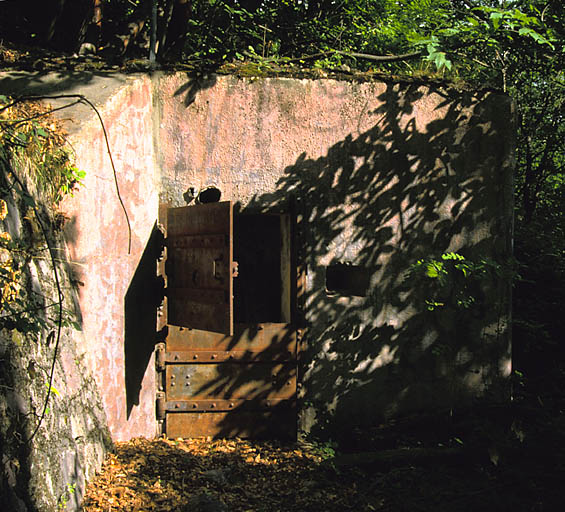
x=381, y=58
x=377, y=58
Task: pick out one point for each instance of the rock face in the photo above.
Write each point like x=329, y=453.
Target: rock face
x=46, y=464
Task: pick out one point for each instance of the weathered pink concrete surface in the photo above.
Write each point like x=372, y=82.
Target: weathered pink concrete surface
x=381, y=174
x=97, y=235
x=241, y=134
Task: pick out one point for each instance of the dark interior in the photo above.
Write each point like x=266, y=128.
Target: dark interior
x=344, y=279
x=258, y=288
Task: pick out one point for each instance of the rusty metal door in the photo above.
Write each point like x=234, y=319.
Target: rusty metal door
x=199, y=267
x=219, y=379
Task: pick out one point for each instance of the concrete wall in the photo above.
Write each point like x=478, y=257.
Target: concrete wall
x=120, y=336
x=381, y=174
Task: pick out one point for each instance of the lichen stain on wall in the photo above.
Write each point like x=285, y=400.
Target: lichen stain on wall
x=251, y=129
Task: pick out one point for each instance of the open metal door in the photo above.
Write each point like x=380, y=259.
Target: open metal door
x=200, y=267
x=218, y=378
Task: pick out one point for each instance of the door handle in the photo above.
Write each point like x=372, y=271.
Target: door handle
x=217, y=266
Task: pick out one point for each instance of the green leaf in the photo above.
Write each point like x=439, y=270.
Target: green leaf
x=463, y=269
x=537, y=37
x=496, y=18
x=40, y=131
x=452, y=256
x=53, y=389
x=28, y=200
x=441, y=61
x=434, y=269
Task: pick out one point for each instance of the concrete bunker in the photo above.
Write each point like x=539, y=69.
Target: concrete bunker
x=344, y=185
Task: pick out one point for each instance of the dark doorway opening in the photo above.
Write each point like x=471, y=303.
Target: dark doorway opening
x=262, y=251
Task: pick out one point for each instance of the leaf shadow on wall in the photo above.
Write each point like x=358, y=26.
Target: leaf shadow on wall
x=194, y=85
x=380, y=201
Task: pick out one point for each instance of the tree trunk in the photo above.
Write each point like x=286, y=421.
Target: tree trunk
x=176, y=30
x=69, y=22
x=528, y=192
x=94, y=29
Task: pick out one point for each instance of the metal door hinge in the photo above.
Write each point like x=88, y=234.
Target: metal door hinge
x=160, y=357
x=160, y=406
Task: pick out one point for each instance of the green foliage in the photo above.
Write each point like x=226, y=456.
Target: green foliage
x=66, y=496
x=324, y=449
x=71, y=178
x=452, y=280
x=32, y=142
x=35, y=143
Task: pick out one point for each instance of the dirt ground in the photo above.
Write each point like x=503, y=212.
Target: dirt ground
x=516, y=465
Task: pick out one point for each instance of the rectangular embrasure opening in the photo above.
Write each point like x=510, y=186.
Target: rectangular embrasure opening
x=349, y=280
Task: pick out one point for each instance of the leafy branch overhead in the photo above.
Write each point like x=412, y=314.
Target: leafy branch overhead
x=448, y=33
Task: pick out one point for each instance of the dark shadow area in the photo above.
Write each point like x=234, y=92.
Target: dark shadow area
x=381, y=200
x=348, y=280
x=143, y=298
x=257, y=289
x=37, y=83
